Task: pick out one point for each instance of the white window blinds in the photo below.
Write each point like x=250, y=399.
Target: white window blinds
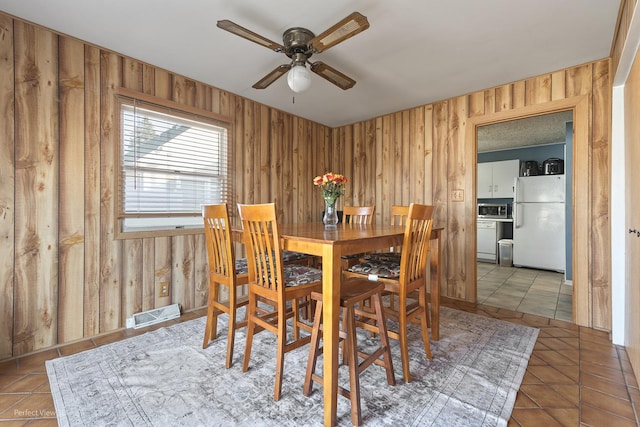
x=170, y=165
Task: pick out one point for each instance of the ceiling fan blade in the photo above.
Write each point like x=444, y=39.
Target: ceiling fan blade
x=334, y=76
x=348, y=27
x=272, y=76
x=236, y=29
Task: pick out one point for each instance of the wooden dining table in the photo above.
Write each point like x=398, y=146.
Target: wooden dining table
x=331, y=245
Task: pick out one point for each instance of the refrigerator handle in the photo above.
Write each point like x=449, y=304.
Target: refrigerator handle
x=514, y=210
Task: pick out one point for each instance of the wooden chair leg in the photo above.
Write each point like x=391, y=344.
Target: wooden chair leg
x=404, y=349
x=384, y=339
x=251, y=326
x=314, y=350
x=282, y=341
x=211, y=327
x=424, y=323
x=231, y=328
x=351, y=348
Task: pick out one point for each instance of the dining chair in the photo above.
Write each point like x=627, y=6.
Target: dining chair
x=286, y=288
x=356, y=216
x=353, y=291
x=398, y=217
x=405, y=280
x=225, y=272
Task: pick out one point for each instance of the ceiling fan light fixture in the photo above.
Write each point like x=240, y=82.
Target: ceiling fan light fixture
x=299, y=78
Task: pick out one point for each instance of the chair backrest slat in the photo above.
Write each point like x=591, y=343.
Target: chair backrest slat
x=353, y=215
x=220, y=253
x=262, y=241
x=415, y=246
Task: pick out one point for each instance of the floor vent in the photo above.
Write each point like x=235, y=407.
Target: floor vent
x=151, y=317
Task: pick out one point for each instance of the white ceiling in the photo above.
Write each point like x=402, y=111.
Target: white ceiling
x=415, y=51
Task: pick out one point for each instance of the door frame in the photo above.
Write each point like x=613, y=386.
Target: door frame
x=581, y=211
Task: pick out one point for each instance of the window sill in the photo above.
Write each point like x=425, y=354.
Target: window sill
x=139, y=234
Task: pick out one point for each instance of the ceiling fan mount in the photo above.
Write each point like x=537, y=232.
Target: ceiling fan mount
x=296, y=41
x=299, y=44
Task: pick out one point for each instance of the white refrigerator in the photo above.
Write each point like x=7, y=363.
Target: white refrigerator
x=539, y=222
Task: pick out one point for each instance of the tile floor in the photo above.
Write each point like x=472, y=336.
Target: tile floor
x=526, y=290
x=575, y=377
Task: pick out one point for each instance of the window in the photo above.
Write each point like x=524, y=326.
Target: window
x=171, y=163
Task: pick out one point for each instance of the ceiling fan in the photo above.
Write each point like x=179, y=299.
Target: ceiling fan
x=299, y=44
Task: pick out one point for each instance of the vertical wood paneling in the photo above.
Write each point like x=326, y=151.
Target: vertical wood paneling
x=183, y=271
x=72, y=164
x=397, y=158
x=132, y=280
x=370, y=175
x=148, y=274
x=7, y=170
x=504, y=98
x=476, y=104
x=201, y=272
x=416, y=156
x=490, y=100
x=457, y=242
x=383, y=169
x=36, y=180
x=262, y=124
x=91, y=312
x=558, y=89
x=163, y=268
x=518, y=92
x=110, y=249
x=405, y=175
x=428, y=155
x=538, y=90
x=601, y=164
x=440, y=154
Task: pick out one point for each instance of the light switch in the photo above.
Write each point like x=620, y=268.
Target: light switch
x=457, y=195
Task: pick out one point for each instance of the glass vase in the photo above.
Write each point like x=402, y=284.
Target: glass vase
x=330, y=218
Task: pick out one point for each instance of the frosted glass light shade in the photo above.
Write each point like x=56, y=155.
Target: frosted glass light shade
x=299, y=78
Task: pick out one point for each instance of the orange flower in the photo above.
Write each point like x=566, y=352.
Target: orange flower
x=332, y=185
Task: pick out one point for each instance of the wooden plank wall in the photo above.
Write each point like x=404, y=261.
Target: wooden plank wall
x=64, y=277
x=435, y=133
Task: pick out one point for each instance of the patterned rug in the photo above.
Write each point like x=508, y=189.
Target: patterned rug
x=165, y=378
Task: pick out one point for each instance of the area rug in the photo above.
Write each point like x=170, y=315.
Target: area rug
x=165, y=378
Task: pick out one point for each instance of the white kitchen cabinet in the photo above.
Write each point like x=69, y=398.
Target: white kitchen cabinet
x=496, y=179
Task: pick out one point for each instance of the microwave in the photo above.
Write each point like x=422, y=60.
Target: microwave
x=492, y=210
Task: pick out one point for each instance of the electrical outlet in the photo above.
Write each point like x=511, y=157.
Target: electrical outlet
x=457, y=195
x=163, y=289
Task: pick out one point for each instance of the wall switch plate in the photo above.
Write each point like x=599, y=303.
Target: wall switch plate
x=457, y=195
x=163, y=290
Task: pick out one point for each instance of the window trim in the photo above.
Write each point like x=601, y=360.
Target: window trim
x=127, y=96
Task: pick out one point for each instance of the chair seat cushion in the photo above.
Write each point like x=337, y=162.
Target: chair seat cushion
x=290, y=256
x=296, y=275
x=385, y=269
x=241, y=266
x=383, y=257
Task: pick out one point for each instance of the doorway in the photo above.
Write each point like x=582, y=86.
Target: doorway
x=515, y=150
x=580, y=213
